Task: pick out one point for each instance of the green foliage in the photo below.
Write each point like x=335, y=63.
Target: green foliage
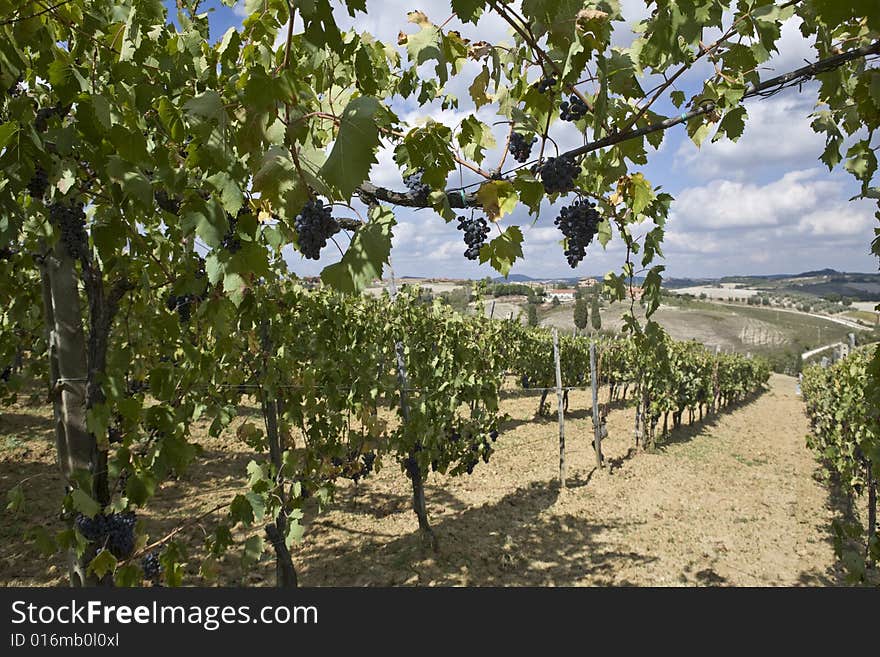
x=846, y=436
x=581, y=312
x=673, y=376
x=532, y=314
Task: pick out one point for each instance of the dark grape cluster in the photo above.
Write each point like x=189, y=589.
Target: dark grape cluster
x=39, y=183
x=166, y=203
x=114, y=531
x=416, y=187
x=545, y=84
x=136, y=386
x=314, y=226
x=41, y=122
x=411, y=466
x=579, y=222
x=477, y=449
x=558, y=174
x=15, y=90
x=231, y=240
x=71, y=219
x=369, y=460
x=151, y=567
x=183, y=304
x=115, y=435
x=6, y=374
x=520, y=147
x=356, y=465
x=475, y=232
x=573, y=109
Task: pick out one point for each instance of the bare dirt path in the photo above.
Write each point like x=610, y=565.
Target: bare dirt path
x=732, y=502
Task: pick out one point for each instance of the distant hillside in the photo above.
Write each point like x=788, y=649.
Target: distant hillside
x=820, y=283
x=675, y=283
x=820, y=272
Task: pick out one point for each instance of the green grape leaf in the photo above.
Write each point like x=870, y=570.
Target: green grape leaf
x=15, y=499
x=366, y=256
x=478, y=88
x=43, y=540
x=475, y=137
x=6, y=132
x=84, y=503
x=468, y=10
x=642, y=193
x=503, y=251
x=498, y=197
x=354, y=151
x=241, y=510
x=529, y=189
x=231, y=197
x=208, y=105
x=253, y=550
x=103, y=563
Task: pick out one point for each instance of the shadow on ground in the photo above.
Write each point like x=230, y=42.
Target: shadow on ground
x=513, y=542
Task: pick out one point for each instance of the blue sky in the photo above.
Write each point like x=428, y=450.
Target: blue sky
x=763, y=205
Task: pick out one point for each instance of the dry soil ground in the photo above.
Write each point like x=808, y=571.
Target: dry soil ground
x=731, y=502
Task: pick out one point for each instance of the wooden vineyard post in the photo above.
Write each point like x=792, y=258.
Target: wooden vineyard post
x=872, y=512
x=561, y=412
x=715, y=392
x=492, y=311
x=594, y=385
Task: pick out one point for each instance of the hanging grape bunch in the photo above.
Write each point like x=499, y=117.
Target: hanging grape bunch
x=579, y=222
x=15, y=90
x=137, y=386
x=558, y=174
x=545, y=84
x=573, y=109
x=182, y=304
x=44, y=114
x=416, y=187
x=39, y=183
x=114, y=532
x=71, y=220
x=314, y=226
x=151, y=567
x=231, y=240
x=520, y=147
x=475, y=232
x=166, y=203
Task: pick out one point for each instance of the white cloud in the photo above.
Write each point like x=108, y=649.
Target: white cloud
x=729, y=204
x=777, y=134
x=801, y=220
x=852, y=221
